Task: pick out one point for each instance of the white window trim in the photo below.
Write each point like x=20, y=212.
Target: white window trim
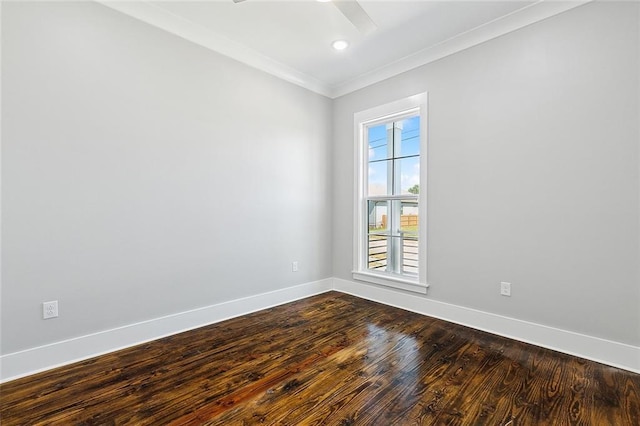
x=360, y=119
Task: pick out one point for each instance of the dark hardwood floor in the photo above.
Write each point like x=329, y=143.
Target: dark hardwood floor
x=331, y=359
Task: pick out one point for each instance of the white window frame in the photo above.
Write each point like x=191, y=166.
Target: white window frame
x=418, y=104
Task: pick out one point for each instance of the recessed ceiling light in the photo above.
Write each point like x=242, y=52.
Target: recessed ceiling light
x=340, y=44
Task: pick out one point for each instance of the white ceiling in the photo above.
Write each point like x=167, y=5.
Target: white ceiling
x=292, y=39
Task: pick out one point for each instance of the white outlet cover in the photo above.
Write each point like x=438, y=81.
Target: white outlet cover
x=505, y=289
x=294, y=266
x=50, y=309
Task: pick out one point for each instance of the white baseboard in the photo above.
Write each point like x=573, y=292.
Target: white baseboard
x=41, y=358
x=604, y=351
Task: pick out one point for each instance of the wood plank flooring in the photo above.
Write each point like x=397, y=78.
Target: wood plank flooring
x=331, y=359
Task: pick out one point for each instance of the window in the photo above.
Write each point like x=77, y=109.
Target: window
x=390, y=225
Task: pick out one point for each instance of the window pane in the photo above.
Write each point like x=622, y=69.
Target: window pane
x=408, y=169
x=410, y=256
x=408, y=210
x=378, y=216
x=378, y=145
x=378, y=178
x=395, y=254
x=377, y=249
x=410, y=141
x=392, y=240
x=378, y=153
x=409, y=217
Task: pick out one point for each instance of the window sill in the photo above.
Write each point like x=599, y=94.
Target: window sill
x=391, y=281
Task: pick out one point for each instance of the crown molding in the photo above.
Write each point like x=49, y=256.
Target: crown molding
x=161, y=18
x=514, y=21
x=151, y=14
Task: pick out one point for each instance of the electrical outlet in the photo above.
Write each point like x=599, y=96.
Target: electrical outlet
x=505, y=289
x=294, y=266
x=49, y=309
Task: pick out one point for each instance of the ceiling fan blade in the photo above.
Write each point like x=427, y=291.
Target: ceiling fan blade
x=352, y=10
x=238, y=1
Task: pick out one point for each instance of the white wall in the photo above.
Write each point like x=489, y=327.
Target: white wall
x=533, y=172
x=143, y=175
